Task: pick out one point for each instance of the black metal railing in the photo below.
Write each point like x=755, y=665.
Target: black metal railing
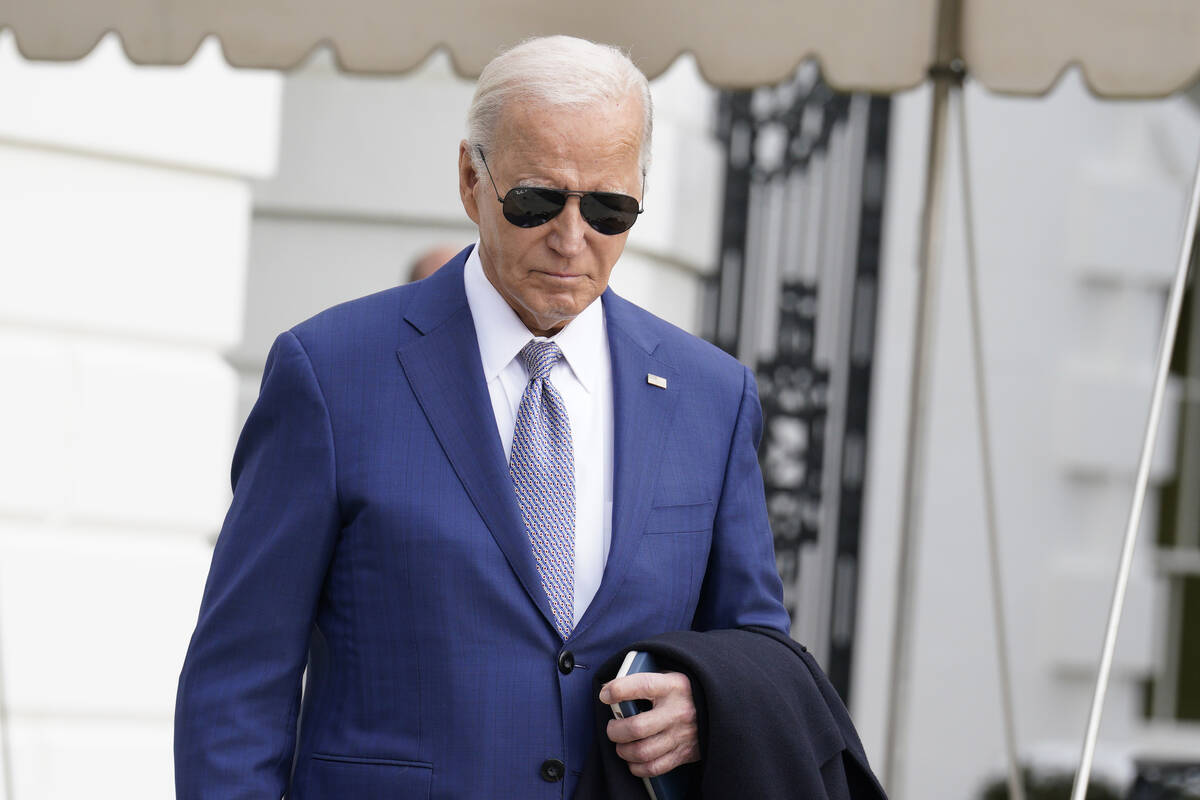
x=794, y=298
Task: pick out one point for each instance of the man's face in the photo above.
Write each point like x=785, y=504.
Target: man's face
x=549, y=274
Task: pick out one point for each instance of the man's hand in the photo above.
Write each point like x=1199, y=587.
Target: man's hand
x=655, y=741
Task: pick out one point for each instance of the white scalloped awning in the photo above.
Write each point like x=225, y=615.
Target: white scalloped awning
x=1125, y=47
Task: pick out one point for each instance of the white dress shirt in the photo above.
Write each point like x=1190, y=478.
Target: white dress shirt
x=584, y=379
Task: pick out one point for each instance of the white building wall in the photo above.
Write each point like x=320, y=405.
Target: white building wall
x=1079, y=207
x=124, y=218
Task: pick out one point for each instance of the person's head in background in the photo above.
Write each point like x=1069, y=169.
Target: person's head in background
x=429, y=260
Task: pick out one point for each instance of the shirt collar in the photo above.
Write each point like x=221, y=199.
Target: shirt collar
x=501, y=333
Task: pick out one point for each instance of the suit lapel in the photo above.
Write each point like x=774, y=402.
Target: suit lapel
x=642, y=415
x=445, y=373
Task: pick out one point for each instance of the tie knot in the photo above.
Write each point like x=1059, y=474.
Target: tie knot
x=540, y=357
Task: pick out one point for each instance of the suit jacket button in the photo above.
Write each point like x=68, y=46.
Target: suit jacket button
x=566, y=662
x=553, y=770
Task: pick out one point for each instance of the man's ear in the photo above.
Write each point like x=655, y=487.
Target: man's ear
x=467, y=180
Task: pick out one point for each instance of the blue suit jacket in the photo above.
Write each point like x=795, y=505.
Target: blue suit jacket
x=375, y=538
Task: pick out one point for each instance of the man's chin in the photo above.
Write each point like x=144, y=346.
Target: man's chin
x=551, y=321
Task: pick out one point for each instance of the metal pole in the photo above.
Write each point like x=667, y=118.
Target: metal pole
x=1166, y=345
x=1016, y=787
x=914, y=466
x=947, y=71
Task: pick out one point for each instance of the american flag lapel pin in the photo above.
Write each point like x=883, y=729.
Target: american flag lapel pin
x=656, y=380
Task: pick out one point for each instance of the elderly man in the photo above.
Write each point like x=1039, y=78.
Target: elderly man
x=453, y=500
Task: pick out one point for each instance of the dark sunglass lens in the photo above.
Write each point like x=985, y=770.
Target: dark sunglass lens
x=530, y=206
x=609, y=213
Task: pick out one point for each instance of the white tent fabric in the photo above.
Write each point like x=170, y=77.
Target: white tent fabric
x=1147, y=48
x=881, y=44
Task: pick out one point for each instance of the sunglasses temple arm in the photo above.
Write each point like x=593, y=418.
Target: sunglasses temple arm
x=488, y=170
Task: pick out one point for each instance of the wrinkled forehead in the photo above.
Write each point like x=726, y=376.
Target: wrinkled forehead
x=603, y=135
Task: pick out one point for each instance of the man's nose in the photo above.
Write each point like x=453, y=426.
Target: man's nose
x=567, y=238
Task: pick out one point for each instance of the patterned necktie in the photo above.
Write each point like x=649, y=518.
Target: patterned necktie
x=542, y=466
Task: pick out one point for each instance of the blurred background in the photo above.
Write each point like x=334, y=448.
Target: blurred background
x=159, y=225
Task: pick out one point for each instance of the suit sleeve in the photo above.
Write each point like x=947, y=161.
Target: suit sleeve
x=239, y=691
x=741, y=585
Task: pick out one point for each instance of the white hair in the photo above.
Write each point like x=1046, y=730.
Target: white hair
x=561, y=72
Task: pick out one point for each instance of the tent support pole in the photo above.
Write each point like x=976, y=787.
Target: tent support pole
x=914, y=467
x=1165, y=348
x=1016, y=785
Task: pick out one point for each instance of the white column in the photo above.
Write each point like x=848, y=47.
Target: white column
x=124, y=212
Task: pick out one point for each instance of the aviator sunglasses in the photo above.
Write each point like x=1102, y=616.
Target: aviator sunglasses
x=529, y=206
